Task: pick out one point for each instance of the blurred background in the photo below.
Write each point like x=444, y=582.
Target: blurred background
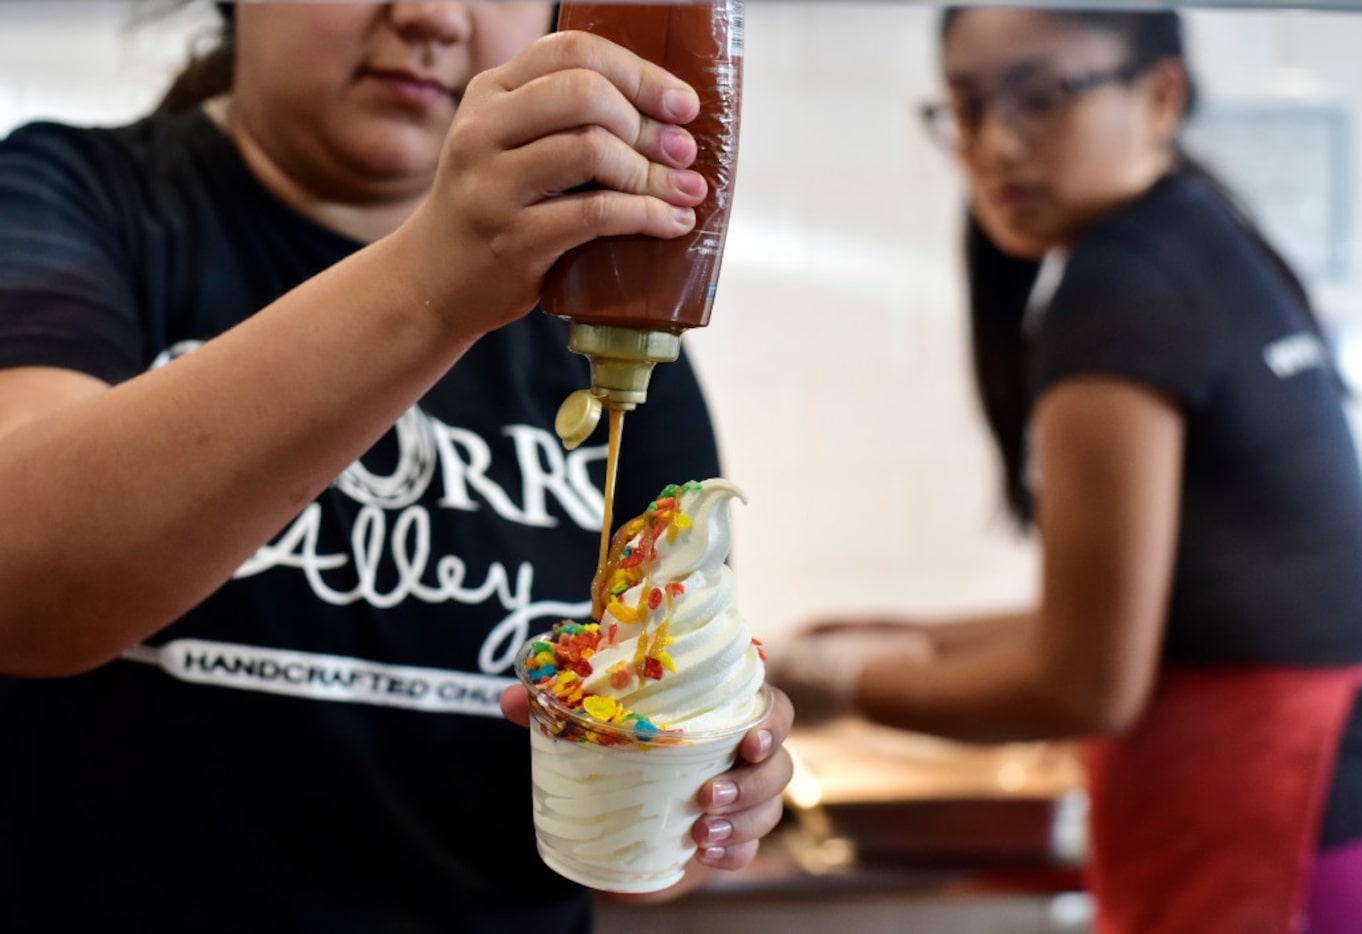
x=837, y=366
x=836, y=360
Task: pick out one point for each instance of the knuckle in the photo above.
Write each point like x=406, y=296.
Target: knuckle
x=648, y=133
x=595, y=144
x=572, y=45
x=469, y=136
x=581, y=84
x=501, y=242
x=477, y=85
x=585, y=153
x=646, y=176
x=595, y=211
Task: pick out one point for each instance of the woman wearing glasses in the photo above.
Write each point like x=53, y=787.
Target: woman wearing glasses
x=1169, y=421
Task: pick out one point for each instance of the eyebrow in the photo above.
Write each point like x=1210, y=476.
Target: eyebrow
x=1019, y=71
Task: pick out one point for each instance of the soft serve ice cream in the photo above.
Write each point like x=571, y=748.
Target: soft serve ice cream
x=634, y=712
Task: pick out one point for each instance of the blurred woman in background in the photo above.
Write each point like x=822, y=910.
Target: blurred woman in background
x=1170, y=422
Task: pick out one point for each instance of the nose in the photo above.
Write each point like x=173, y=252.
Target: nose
x=994, y=137
x=438, y=22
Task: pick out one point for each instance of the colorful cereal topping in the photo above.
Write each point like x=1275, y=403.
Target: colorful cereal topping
x=559, y=665
x=629, y=560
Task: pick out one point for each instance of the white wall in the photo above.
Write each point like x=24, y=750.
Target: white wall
x=836, y=358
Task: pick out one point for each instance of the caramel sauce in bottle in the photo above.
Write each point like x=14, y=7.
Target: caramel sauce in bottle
x=645, y=282
x=629, y=298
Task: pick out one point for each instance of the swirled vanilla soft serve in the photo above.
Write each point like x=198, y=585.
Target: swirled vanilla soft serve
x=639, y=708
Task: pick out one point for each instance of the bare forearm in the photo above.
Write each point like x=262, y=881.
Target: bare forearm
x=998, y=689
x=971, y=633
x=123, y=511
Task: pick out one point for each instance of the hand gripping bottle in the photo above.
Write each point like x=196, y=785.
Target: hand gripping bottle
x=627, y=299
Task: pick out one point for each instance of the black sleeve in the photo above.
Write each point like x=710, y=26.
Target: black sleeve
x=1119, y=313
x=668, y=439
x=66, y=293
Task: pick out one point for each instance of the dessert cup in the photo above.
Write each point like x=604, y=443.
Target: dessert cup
x=614, y=803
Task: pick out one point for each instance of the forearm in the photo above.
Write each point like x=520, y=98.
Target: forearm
x=125, y=510
x=968, y=634
x=999, y=689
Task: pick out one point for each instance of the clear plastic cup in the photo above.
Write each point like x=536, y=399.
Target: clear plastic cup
x=614, y=805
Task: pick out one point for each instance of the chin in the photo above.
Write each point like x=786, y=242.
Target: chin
x=419, y=169
x=1016, y=235
x=395, y=160
x=395, y=147
x=1018, y=242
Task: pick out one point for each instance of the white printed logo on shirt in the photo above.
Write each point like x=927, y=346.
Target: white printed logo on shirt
x=393, y=529
x=1295, y=354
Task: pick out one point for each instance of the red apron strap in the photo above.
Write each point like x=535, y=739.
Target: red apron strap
x=1205, y=816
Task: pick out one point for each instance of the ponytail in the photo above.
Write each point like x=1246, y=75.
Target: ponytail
x=999, y=288
x=208, y=74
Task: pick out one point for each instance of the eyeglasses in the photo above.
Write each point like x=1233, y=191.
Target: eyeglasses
x=1030, y=105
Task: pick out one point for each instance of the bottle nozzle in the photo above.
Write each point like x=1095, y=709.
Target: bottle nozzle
x=622, y=359
x=622, y=362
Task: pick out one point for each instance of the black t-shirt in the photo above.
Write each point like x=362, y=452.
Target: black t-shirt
x=1174, y=293
x=318, y=745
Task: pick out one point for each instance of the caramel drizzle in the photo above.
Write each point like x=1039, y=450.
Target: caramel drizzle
x=612, y=463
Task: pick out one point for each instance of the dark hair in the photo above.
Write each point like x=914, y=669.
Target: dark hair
x=208, y=73
x=1000, y=285
x=1149, y=37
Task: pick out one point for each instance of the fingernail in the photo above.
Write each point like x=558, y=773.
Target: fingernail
x=713, y=854
x=721, y=793
x=678, y=104
x=684, y=216
x=678, y=145
x=764, y=743
x=688, y=183
x=718, y=830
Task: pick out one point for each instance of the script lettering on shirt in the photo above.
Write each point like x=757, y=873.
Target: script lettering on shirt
x=393, y=530
x=392, y=534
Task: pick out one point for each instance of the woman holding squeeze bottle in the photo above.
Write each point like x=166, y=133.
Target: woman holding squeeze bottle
x=282, y=494
x=1170, y=422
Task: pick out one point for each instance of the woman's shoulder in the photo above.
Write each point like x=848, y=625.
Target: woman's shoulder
x=1181, y=212
x=1183, y=229
x=1177, y=204
x=148, y=137
x=110, y=164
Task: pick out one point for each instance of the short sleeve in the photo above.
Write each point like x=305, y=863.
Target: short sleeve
x=1120, y=313
x=66, y=292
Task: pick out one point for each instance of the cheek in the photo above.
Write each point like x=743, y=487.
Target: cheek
x=503, y=30
x=304, y=44
x=1103, y=159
